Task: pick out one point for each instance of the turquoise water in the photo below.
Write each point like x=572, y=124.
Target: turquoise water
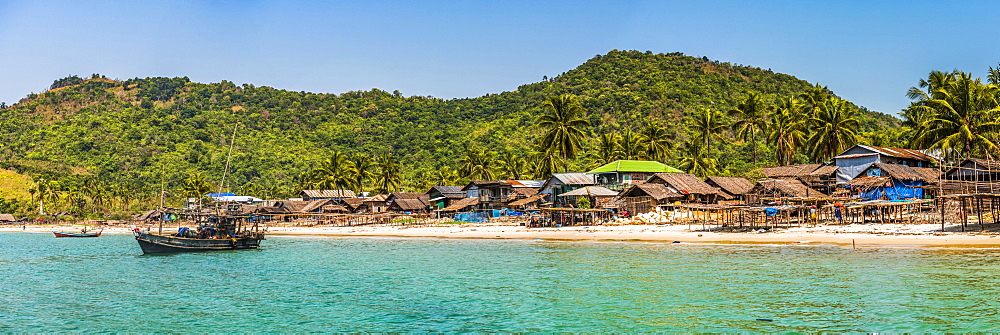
x=303, y=284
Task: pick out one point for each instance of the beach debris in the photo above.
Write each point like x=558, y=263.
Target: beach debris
x=657, y=216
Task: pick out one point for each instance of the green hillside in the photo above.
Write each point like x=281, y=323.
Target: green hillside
x=144, y=134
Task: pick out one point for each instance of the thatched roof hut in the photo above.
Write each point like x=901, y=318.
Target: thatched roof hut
x=531, y=201
x=789, y=171
x=730, y=187
x=784, y=188
x=461, y=205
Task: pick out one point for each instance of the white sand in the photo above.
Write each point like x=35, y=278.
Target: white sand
x=859, y=235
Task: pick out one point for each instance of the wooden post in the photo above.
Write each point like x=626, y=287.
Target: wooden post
x=965, y=215
x=979, y=213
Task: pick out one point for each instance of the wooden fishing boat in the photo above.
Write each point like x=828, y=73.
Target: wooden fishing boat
x=83, y=234
x=219, y=233
x=156, y=244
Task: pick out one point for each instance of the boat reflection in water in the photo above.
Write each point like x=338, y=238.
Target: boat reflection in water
x=202, y=233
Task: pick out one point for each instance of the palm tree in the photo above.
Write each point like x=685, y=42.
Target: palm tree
x=387, y=175
x=631, y=145
x=512, y=167
x=364, y=167
x=608, y=148
x=833, y=129
x=336, y=173
x=48, y=191
x=994, y=77
x=706, y=125
x=196, y=186
x=547, y=161
x=477, y=164
x=657, y=141
x=960, y=116
x=696, y=160
x=815, y=96
x=445, y=176
x=785, y=131
x=750, y=114
x=562, y=125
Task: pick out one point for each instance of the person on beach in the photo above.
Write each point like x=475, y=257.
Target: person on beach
x=836, y=211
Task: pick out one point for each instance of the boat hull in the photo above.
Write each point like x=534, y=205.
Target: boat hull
x=159, y=244
x=62, y=234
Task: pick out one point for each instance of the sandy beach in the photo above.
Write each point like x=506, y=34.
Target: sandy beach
x=915, y=235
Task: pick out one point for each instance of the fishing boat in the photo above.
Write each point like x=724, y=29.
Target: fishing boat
x=80, y=234
x=214, y=233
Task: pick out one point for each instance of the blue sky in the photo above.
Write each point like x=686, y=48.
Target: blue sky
x=869, y=52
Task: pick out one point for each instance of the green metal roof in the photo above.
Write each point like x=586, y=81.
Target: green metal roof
x=635, y=166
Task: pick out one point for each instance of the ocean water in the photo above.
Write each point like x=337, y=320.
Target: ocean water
x=313, y=284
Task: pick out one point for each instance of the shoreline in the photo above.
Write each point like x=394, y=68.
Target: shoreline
x=876, y=235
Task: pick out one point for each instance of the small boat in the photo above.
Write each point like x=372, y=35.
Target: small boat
x=221, y=233
x=81, y=234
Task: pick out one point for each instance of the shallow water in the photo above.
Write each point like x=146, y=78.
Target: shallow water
x=311, y=284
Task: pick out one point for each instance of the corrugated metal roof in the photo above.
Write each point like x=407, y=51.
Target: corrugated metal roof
x=891, y=152
x=529, y=183
x=575, y=178
x=635, y=166
x=590, y=191
x=900, y=152
x=330, y=193
x=377, y=198
x=448, y=191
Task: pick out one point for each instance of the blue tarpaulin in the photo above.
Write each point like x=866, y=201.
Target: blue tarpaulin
x=898, y=190
x=471, y=217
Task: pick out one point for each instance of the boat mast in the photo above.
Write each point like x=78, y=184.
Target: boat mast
x=228, y=158
x=162, y=191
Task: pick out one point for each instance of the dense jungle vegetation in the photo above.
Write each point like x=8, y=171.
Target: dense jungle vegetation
x=95, y=146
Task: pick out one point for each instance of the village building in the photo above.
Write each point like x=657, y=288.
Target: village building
x=523, y=188
x=326, y=194
x=620, y=174
x=817, y=176
x=882, y=181
x=561, y=183
x=690, y=186
x=442, y=196
x=461, y=205
x=599, y=197
x=730, y=188
x=975, y=169
x=409, y=205
x=7, y=219
x=531, y=202
x=375, y=204
x=642, y=198
x=854, y=161
x=781, y=188
x=407, y=202
x=353, y=205
x=491, y=194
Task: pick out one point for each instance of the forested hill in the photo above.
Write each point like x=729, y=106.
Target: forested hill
x=137, y=132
